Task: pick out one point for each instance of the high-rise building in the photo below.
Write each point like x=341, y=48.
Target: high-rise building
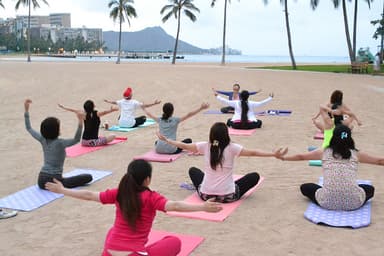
x=60, y=19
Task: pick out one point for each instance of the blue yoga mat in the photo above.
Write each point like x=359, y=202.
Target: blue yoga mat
x=352, y=219
x=33, y=197
x=117, y=128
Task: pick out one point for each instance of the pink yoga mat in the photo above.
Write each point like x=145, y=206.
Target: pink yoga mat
x=217, y=216
x=240, y=132
x=319, y=136
x=152, y=156
x=188, y=242
x=78, y=149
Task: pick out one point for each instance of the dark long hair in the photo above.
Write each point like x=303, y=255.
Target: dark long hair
x=50, y=128
x=336, y=98
x=244, y=95
x=130, y=186
x=167, y=111
x=89, y=108
x=219, y=139
x=342, y=142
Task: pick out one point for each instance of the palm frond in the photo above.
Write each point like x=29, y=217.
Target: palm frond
x=166, y=17
x=112, y=3
x=169, y=6
x=190, y=15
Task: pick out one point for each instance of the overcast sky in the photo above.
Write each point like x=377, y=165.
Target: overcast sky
x=252, y=27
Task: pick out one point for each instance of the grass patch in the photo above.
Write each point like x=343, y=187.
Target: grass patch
x=319, y=68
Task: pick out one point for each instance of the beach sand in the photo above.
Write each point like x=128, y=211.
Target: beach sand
x=269, y=222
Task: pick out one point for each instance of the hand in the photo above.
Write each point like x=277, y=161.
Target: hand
x=161, y=137
x=259, y=91
x=60, y=106
x=204, y=105
x=157, y=102
x=27, y=103
x=114, y=109
x=214, y=92
x=280, y=152
x=271, y=95
x=55, y=186
x=107, y=101
x=211, y=206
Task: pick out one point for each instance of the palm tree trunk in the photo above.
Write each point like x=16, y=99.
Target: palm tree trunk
x=382, y=38
x=289, y=35
x=118, y=54
x=29, y=32
x=177, y=37
x=350, y=51
x=224, y=32
x=354, y=31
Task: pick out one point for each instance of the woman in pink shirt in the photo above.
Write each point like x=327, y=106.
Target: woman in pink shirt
x=219, y=154
x=136, y=207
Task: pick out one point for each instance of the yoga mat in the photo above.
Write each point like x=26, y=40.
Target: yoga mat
x=352, y=219
x=315, y=163
x=33, y=197
x=319, y=136
x=78, y=149
x=275, y=112
x=188, y=242
x=152, y=156
x=228, y=208
x=117, y=128
x=240, y=132
x=214, y=112
x=312, y=148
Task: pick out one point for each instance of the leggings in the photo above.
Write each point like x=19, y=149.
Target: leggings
x=188, y=141
x=69, y=182
x=309, y=190
x=244, y=184
x=139, y=121
x=227, y=110
x=247, y=126
x=167, y=246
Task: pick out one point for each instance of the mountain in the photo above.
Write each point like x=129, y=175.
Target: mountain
x=148, y=39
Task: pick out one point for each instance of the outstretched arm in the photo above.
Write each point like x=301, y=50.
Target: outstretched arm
x=280, y=152
x=105, y=112
x=57, y=187
x=180, y=206
x=36, y=135
x=76, y=111
x=194, y=112
x=110, y=102
x=369, y=159
x=149, y=113
x=187, y=146
x=312, y=155
x=151, y=104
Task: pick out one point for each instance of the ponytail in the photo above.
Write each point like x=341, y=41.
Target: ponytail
x=167, y=111
x=219, y=139
x=244, y=95
x=341, y=142
x=130, y=187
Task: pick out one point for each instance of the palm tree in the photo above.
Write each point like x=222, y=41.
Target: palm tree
x=28, y=3
x=121, y=9
x=380, y=32
x=351, y=45
x=285, y=3
x=224, y=27
x=175, y=9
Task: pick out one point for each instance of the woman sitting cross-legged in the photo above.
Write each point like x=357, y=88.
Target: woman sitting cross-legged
x=136, y=207
x=340, y=190
x=219, y=154
x=244, y=117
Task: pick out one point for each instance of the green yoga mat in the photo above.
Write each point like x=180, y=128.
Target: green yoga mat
x=314, y=162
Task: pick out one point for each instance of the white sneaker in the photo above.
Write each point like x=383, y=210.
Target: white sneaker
x=4, y=214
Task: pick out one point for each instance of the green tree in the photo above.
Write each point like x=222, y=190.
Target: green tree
x=380, y=32
x=175, y=9
x=35, y=5
x=121, y=9
x=224, y=27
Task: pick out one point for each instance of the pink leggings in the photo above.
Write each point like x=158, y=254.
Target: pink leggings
x=167, y=246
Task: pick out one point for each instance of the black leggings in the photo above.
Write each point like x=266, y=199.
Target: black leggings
x=188, y=141
x=68, y=182
x=139, y=121
x=244, y=184
x=227, y=110
x=309, y=190
x=247, y=126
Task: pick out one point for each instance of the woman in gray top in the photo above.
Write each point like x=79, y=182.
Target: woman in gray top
x=54, y=150
x=168, y=127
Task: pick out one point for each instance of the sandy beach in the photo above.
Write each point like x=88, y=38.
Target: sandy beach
x=269, y=222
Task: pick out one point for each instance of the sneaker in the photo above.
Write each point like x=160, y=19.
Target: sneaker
x=4, y=214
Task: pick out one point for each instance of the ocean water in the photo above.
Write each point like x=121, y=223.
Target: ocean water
x=194, y=59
